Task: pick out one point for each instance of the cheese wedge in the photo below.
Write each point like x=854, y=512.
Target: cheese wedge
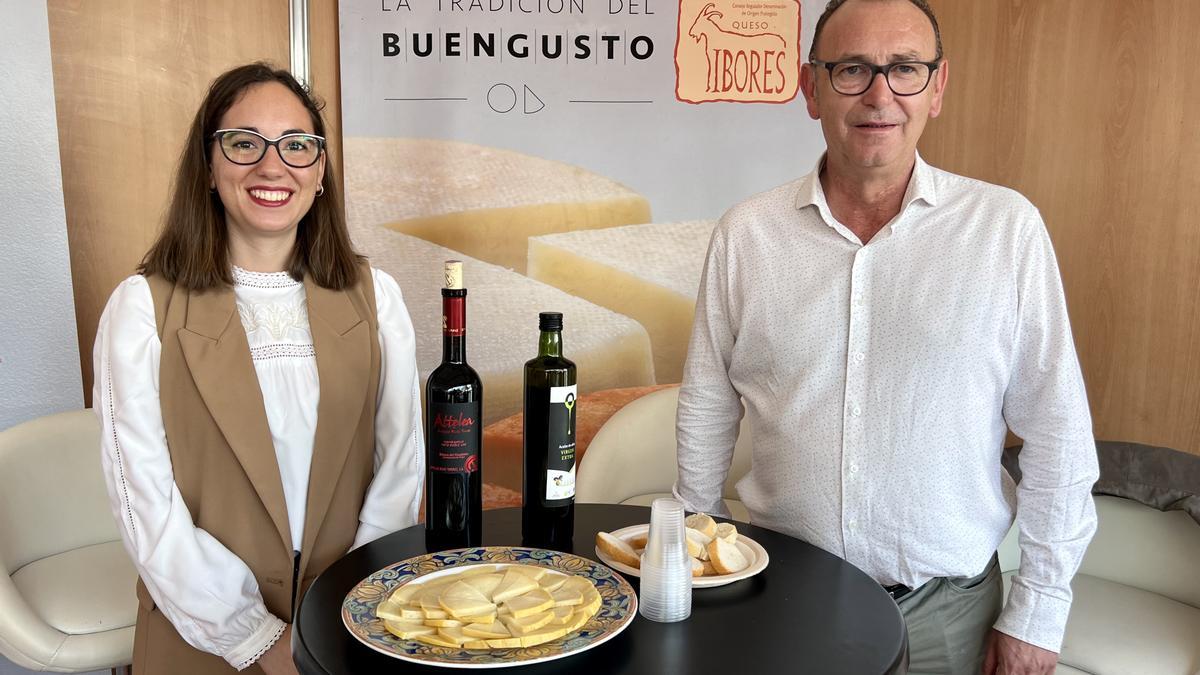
x=390, y=610
x=480, y=200
x=444, y=623
x=463, y=600
x=578, y=620
x=407, y=630
x=565, y=597
x=649, y=272
x=527, y=624
x=454, y=634
x=437, y=640
x=513, y=584
x=495, y=629
x=476, y=644
x=532, y=602
x=562, y=615
x=553, y=581
x=484, y=583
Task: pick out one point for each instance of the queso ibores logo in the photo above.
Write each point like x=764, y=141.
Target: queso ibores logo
x=743, y=51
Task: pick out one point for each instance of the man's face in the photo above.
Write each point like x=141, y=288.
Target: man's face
x=875, y=129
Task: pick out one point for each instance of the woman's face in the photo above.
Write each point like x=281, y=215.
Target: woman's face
x=268, y=198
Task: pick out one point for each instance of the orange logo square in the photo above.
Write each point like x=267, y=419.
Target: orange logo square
x=743, y=51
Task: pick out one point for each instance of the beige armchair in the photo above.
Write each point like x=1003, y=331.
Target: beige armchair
x=631, y=460
x=67, y=599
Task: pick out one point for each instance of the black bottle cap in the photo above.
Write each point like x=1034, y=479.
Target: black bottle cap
x=550, y=321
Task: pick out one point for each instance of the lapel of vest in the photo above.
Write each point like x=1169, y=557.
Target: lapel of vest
x=218, y=356
x=341, y=339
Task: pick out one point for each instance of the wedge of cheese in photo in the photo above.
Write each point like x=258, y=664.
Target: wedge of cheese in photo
x=649, y=272
x=502, y=322
x=480, y=200
x=437, y=640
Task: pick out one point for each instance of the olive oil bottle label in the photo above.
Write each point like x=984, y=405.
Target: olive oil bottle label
x=560, y=450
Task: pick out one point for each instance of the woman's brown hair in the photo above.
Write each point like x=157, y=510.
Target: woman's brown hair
x=193, y=249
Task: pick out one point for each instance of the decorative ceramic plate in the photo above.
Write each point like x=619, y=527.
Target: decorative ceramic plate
x=753, y=551
x=617, y=609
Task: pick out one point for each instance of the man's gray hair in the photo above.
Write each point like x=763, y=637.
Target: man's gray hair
x=835, y=4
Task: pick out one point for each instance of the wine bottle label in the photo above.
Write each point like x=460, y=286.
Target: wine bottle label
x=454, y=437
x=560, y=457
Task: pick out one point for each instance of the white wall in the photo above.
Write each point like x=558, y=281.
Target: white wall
x=39, y=353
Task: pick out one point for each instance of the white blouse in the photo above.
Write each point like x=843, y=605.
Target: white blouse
x=207, y=592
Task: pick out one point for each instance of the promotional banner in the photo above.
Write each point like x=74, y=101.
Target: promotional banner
x=575, y=154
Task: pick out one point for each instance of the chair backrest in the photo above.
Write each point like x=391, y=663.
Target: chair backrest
x=1136, y=545
x=52, y=495
x=633, y=453
x=1140, y=546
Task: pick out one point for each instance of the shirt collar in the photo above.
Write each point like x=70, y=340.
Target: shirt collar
x=921, y=186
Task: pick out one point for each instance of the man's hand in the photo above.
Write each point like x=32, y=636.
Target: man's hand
x=1006, y=655
x=278, y=659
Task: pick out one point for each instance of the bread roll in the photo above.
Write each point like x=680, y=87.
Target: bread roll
x=617, y=549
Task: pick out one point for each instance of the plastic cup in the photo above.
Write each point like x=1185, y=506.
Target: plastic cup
x=666, y=569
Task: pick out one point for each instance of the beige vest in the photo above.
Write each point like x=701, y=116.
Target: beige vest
x=224, y=459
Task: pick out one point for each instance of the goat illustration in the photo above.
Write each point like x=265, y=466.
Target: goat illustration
x=717, y=40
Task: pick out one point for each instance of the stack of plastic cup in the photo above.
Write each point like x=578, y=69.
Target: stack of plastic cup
x=666, y=568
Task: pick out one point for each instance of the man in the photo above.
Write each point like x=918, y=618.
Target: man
x=884, y=322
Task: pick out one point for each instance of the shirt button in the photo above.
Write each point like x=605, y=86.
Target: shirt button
x=856, y=411
x=853, y=525
x=859, y=357
x=853, y=467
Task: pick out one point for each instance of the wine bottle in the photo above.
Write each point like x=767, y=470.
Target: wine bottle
x=548, y=514
x=453, y=431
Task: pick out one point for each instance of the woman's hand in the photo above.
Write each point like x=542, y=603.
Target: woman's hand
x=278, y=659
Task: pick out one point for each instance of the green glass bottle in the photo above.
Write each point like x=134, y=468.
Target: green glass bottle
x=548, y=514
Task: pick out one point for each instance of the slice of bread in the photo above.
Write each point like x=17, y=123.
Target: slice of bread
x=617, y=549
x=697, y=567
x=702, y=522
x=697, y=542
x=726, y=531
x=726, y=558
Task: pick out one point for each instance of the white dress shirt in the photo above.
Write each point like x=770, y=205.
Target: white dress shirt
x=207, y=592
x=879, y=380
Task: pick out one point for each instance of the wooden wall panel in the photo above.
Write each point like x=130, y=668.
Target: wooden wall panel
x=325, y=66
x=128, y=77
x=1080, y=105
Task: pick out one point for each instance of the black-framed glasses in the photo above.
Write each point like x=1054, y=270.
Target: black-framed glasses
x=245, y=147
x=904, y=78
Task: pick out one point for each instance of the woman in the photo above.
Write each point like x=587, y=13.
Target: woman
x=257, y=387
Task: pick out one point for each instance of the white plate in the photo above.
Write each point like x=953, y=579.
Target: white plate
x=753, y=551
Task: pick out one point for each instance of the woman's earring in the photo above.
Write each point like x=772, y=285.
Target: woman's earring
x=320, y=190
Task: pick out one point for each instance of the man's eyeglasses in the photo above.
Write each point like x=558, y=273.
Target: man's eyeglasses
x=245, y=147
x=904, y=78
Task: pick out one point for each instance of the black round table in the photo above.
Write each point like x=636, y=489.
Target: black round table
x=808, y=612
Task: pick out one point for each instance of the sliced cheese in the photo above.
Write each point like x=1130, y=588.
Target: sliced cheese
x=532, y=602
x=463, y=600
x=649, y=272
x=502, y=324
x=515, y=583
x=484, y=583
x=479, y=200
x=553, y=581
x=407, y=630
x=527, y=624
x=494, y=629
